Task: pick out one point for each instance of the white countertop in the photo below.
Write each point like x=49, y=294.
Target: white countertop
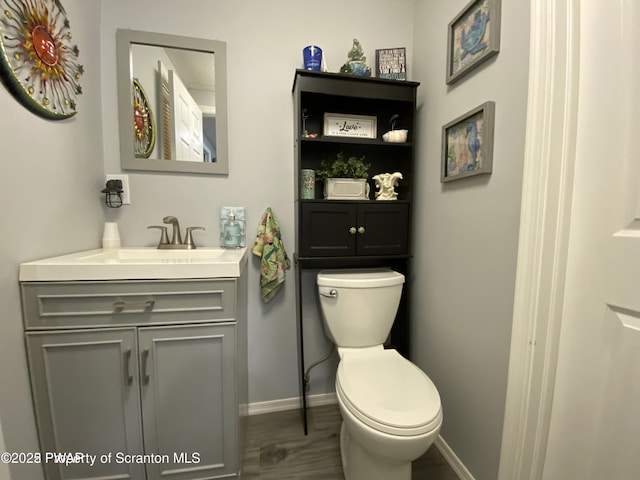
x=137, y=264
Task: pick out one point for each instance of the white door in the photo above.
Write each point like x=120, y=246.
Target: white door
x=595, y=418
x=187, y=118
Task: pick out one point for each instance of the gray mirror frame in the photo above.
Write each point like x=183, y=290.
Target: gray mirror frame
x=128, y=160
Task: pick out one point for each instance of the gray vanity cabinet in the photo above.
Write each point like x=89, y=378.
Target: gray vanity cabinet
x=188, y=400
x=155, y=398
x=84, y=400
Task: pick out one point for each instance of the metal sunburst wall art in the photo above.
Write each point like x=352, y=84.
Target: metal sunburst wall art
x=143, y=126
x=38, y=63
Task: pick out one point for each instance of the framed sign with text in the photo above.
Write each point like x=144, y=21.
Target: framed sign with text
x=359, y=126
x=391, y=63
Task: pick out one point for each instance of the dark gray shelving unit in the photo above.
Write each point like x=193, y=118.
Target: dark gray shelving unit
x=325, y=236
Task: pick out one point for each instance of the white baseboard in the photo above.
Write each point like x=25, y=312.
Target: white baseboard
x=452, y=459
x=292, y=403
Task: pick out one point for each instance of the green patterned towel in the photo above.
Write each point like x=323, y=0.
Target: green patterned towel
x=273, y=257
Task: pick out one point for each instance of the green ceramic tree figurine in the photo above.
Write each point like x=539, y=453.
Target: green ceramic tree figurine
x=356, y=65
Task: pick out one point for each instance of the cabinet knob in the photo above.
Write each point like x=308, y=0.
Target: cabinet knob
x=360, y=229
x=352, y=230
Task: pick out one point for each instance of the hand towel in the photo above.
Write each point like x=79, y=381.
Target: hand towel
x=273, y=257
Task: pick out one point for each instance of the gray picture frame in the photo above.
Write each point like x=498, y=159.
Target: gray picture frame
x=467, y=144
x=473, y=37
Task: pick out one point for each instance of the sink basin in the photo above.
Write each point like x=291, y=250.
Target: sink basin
x=137, y=263
x=146, y=255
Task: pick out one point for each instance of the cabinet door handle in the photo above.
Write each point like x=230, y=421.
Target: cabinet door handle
x=145, y=375
x=352, y=230
x=128, y=378
x=360, y=229
x=147, y=306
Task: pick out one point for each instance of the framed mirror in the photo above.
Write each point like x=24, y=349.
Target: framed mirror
x=172, y=102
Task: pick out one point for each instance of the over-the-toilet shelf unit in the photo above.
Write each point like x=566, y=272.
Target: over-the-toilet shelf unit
x=353, y=233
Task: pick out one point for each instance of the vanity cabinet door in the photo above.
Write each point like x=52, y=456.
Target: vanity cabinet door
x=189, y=402
x=86, y=397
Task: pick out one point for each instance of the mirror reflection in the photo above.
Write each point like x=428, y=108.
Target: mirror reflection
x=177, y=89
x=172, y=101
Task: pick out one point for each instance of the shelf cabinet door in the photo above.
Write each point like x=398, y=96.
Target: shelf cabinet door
x=189, y=400
x=358, y=229
x=326, y=229
x=386, y=228
x=86, y=397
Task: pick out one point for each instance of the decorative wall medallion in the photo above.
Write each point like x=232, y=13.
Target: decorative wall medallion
x=38, y=64
x=143, y=126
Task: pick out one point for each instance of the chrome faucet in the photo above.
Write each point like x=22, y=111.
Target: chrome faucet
x=176, y=237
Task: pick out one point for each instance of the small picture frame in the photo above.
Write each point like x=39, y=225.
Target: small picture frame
x=391, y=63
x=473, y=37
x=357, y=126
x=467, y=144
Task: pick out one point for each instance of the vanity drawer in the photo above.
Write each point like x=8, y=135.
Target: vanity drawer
x=49, y=305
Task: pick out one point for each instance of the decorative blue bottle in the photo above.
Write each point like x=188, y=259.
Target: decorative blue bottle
x=232, y=233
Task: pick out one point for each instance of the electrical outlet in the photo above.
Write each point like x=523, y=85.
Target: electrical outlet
x=126, y=193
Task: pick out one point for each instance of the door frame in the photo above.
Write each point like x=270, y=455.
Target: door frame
x=549, y=163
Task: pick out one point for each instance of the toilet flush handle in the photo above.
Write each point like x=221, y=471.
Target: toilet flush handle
x=333, y=293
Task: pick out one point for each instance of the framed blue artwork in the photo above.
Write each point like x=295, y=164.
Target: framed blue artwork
x=467, y=144
x=474, y=37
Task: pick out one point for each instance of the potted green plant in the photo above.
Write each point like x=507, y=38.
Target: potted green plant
x=344, y=178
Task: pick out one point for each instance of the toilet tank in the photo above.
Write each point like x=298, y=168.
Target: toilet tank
x=359, y=306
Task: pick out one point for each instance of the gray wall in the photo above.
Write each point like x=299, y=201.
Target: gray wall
x=51, y=173
x=264, y=47
x=466, y=234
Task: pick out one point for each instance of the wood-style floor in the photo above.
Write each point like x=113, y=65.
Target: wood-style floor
x=278, y=449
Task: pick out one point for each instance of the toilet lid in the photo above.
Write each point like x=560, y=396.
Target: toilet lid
x=388, y=393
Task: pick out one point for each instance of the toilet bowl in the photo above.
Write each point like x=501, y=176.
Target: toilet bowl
x=391, y=414
x=390, y=408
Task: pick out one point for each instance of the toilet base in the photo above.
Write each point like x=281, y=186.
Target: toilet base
x=368, y=454
x=359, y=464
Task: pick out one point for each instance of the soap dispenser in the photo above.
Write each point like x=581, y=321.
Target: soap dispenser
x=232, y=233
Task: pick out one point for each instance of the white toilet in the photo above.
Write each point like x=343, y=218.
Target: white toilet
x=390, y=409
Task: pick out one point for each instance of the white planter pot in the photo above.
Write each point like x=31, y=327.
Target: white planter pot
x=346, y=189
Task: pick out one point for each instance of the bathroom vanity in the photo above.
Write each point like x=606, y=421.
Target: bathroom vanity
x=139, y=357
